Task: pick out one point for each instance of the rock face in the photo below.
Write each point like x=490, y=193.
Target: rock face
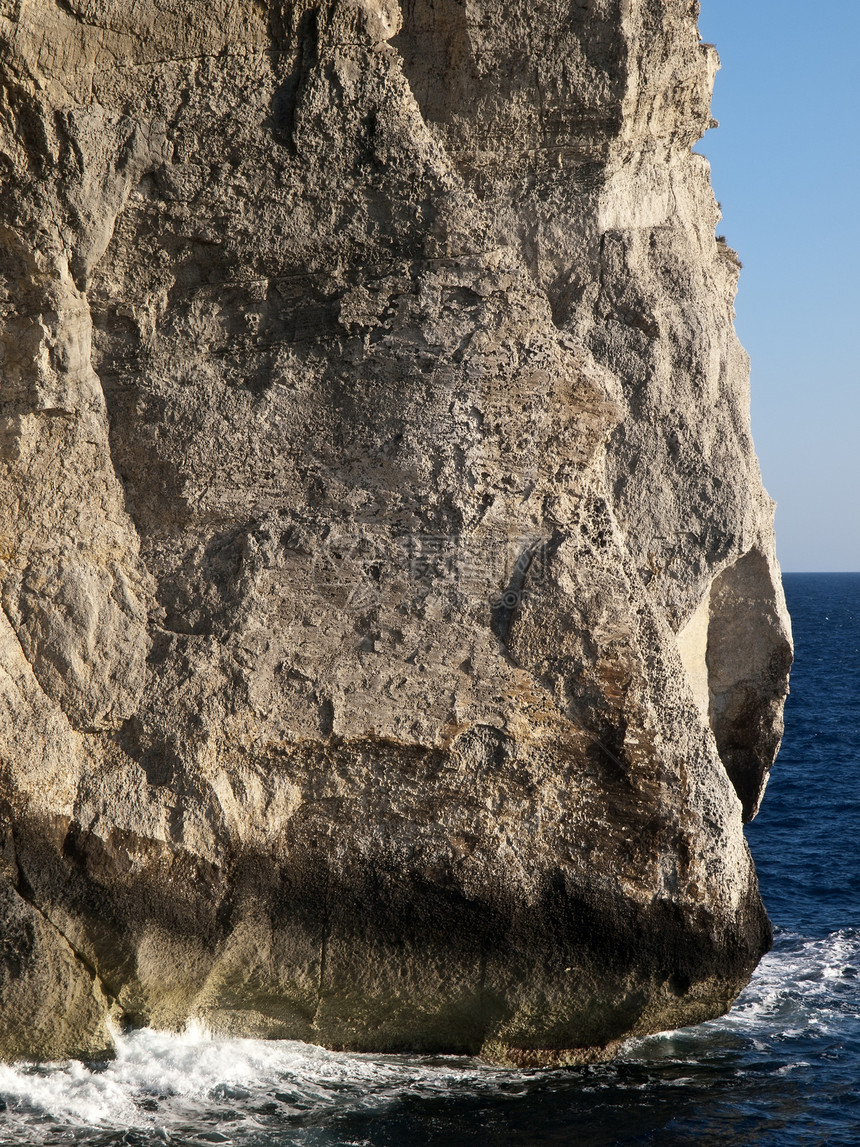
x=392, y=640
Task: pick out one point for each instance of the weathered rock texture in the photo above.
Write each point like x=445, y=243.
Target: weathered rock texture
x=391, y=631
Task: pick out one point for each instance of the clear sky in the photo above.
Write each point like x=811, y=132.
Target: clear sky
x=785, y=164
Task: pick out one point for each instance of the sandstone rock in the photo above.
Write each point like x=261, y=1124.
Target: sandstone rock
x=53, y=1006
x=392, y=635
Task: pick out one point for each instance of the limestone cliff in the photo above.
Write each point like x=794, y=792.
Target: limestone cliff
x=392, y=640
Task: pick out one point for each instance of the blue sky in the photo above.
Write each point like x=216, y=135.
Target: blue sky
x=785, y=164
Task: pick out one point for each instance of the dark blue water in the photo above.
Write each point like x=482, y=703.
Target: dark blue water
x=783, y=1068
x=805, y=840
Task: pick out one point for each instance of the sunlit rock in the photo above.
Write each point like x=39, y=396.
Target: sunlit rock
x=392, y=630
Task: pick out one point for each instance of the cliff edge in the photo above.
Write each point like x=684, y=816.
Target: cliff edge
x=392, y=639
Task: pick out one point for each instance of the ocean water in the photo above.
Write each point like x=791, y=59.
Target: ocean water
x=783, y=1068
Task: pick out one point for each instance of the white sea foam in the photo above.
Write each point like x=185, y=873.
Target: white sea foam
x=802, y=983
x=157, y=1076
x=805, y=989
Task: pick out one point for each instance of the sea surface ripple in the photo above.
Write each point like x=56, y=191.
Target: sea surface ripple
x=782, y=1068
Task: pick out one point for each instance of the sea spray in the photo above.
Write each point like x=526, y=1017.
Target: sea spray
x=799, y=1017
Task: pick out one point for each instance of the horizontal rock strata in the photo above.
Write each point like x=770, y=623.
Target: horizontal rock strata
x=392, y=643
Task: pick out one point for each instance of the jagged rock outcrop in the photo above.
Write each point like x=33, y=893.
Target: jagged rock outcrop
x=392, y=640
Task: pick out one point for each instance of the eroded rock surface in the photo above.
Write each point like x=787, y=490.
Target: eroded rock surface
x=392, y=640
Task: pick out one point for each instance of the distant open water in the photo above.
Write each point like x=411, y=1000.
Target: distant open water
x=782, y=1068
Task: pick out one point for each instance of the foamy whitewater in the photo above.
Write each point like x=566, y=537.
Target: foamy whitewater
x=782, y=1068
x=801, y=1006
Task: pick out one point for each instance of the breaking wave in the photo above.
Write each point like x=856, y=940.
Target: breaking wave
x=800, y=1014
x=781, y=1070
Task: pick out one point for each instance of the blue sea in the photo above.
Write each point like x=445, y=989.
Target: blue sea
x=783, y=1068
